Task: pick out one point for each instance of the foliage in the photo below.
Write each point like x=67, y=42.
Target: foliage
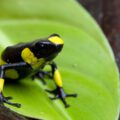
x=86, y=63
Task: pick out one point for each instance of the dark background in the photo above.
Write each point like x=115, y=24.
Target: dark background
x=107, y=14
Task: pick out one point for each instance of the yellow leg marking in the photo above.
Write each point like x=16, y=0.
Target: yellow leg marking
x=57, y=78
x=1, y=84
x=11, y=73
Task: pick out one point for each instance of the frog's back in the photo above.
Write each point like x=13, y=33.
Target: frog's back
x=12, y=54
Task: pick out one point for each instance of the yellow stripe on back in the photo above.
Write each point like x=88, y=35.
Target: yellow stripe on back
x=29, y=57
x=56, y=40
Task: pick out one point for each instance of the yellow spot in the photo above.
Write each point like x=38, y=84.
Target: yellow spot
x=1, y=84
x=2, y=62
x=38, y=63
x=11, y=73
x=57, y=78
x=56, y=40
x=29, y=57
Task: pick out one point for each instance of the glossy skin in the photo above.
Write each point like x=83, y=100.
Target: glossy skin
x=28, y=59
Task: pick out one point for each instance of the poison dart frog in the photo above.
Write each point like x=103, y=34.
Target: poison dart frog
x=28, y=60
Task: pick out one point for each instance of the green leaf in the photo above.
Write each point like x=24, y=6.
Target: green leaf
x=86, y=63
x=86, y=69
x=65, y=11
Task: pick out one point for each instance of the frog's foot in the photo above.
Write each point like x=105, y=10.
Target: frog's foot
x=60, y=94
x=6, y=100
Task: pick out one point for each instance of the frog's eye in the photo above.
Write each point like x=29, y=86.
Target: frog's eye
x=40, y=45
x=44, y=45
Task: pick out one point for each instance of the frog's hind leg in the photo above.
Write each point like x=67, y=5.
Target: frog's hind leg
x=3, y=68
x=4, y=99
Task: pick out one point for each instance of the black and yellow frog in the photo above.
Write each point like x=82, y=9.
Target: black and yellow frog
x=28, y=60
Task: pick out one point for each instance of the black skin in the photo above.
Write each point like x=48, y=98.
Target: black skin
x=41, y=49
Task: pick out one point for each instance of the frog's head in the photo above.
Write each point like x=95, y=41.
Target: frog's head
x=49, y=48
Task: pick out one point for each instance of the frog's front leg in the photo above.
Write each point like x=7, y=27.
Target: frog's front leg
x=59, y=91
x=4, y=67
x=42, y=74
